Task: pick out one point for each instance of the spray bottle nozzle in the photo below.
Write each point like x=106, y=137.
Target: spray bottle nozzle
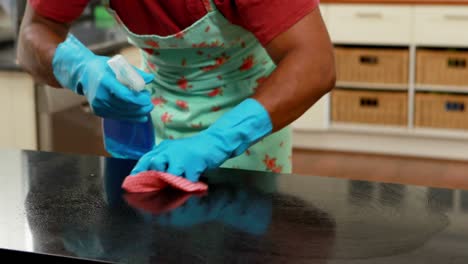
x=126, y=74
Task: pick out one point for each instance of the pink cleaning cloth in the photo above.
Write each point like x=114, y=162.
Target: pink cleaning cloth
x=153, y=181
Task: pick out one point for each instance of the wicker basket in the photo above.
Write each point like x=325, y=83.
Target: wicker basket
x=384, y=108
x=377, y=65
x=442, y=67
x=441, y=111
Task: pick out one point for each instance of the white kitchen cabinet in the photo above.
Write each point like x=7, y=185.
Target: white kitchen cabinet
x=17, y=111
x=441, y=26
x=370, y=24
x=411, y=27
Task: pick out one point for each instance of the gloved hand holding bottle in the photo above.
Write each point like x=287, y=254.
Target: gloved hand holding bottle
x=80, y=70
x=228, y=137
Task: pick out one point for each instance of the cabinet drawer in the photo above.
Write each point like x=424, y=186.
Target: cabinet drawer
x=369, y=107
x=441, y=111
x=367, y=65
x=442, y=67
x=447, y=26
x=368, y=24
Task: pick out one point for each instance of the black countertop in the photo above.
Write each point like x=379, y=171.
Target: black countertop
x=61, y=207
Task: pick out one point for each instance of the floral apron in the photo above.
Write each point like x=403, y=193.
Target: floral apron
x=201, y=73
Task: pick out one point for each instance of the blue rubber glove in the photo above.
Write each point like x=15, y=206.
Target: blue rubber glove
x=228, y=137
x=85, y=73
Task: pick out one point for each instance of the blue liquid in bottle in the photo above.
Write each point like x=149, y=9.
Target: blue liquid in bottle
x=128, y=140
x=125, y=139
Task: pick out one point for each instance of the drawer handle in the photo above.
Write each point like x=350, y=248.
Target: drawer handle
x=456, y=63
x=369, y=15
x=369, y=59
x=369, y=102
x=456, y=17
x=451, y=106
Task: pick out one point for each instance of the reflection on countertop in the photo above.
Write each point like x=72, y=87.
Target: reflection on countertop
x=73, y=206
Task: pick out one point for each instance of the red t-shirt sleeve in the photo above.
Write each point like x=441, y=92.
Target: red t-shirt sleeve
x=266, y=19
x=64, y=11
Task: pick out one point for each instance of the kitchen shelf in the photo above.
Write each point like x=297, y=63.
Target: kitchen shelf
x=400, y=131
x=441, y=88
x=368, y=128
x=372, y=86
x=441, y=133
x=372, y=44
x=318, y=130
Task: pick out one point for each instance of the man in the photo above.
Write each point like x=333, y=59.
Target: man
x=226, y=77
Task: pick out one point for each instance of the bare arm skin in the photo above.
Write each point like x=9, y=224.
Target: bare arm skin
x=305, y=72
x=38, y=39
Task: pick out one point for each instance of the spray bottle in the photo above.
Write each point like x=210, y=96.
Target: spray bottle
x=125, y=139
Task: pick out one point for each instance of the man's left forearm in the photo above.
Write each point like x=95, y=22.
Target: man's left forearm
x=305, y=71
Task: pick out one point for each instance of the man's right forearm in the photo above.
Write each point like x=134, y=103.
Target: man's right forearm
x=38, y=40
